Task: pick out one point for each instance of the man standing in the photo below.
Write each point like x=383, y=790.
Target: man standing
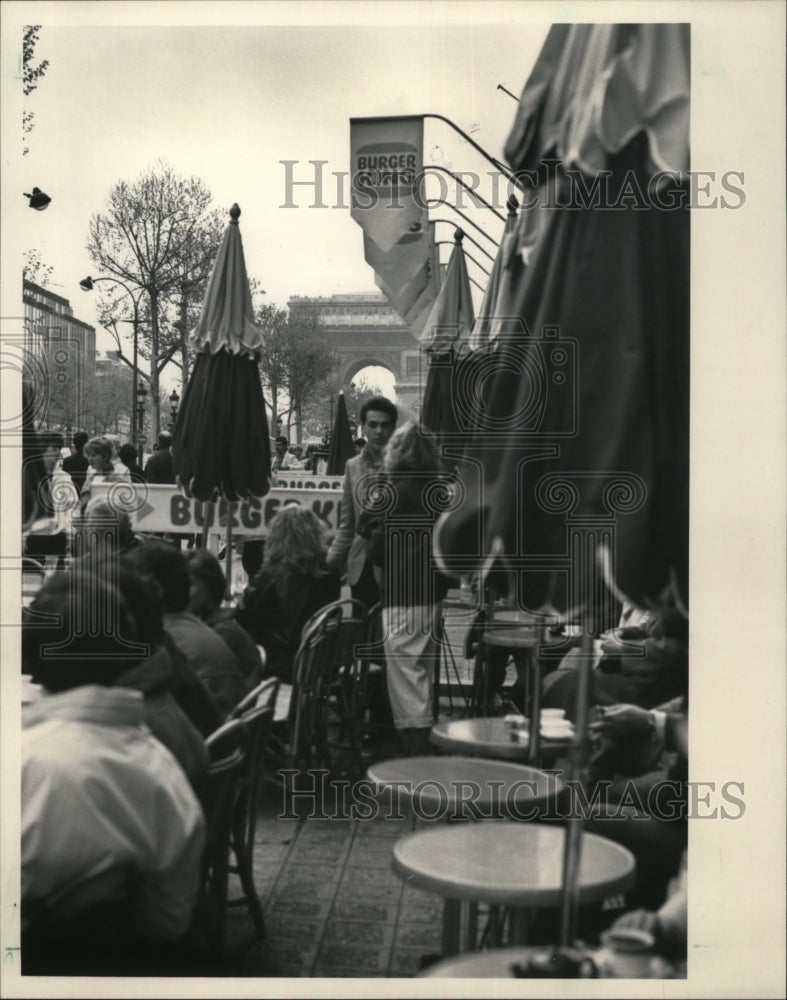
x=76, y=465
x=349, y=551
x=160, y=468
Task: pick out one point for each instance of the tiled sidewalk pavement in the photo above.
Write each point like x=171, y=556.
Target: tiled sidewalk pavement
x=333, y=907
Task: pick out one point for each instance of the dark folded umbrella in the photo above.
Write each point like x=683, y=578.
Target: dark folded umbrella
x=221, y=444
x=342, y=446
x=580, y=403
x=582, y=409
x=446, y=335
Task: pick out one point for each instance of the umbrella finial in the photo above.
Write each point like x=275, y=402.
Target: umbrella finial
x=459, y=235
x=234, y=214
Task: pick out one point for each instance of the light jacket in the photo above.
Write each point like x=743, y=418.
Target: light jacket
x=349, y=551
x=106, y=806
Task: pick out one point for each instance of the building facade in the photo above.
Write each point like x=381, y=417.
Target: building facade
x=59, y=357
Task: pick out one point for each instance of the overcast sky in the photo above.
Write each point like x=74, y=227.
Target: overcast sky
x=228, y=103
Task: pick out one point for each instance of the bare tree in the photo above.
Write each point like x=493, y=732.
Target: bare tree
x=310, y=361
x=273, y=357
x=153, y=234
x=31, y=74
x=106, y=401
x=296, y=363
x=35, y=269
x=186, y=298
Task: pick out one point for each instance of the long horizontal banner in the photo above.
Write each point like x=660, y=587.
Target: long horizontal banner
x=164, y=508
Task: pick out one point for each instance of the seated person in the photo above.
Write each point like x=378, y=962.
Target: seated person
x=208, y=584
x=111, y=832
x=103, y=539
x=294, y=582
x=640, y=765
x=105, y=529
x=208, y=656
x=156, y=678
x=642, y=666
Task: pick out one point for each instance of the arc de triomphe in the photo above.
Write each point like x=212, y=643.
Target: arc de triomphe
x=365, y=330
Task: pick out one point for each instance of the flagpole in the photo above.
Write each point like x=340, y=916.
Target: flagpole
x=432, y=202
x=460, y=182
x=478, y=264
x=501, y=87
x=469, y=237
x=480, y=149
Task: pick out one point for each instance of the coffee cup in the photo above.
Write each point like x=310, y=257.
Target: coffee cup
x=627, y=953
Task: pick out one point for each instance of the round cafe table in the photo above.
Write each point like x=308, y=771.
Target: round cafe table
x=465, y=787
x=495, y=963
x=491, y=738
x=512, y=963
x=505, y=864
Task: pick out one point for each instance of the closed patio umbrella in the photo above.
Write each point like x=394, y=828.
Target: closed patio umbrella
x=342, y=446
x=221, y=444
x=446, y=334
x=589, y=369
x=581, y=415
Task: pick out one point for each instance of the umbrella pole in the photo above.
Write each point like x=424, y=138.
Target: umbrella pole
x=572, y=850
x=228, y=553
x=209, y=509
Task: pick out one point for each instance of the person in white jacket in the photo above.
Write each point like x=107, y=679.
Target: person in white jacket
x=111, y=833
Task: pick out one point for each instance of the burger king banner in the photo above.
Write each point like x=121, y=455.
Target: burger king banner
x=386, y=160
x=408, y=274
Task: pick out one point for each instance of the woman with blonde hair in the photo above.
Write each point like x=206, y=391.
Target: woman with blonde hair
x=294, y=582
x=413, y=487
x=101, y=468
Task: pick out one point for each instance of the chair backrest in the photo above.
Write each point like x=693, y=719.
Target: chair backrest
x=371, y=647
x=225, y=740
x=353, y=630
x=225, y=758
x=256, y=730
x=257, y=724
x=344, y=606
x=218, y=796
x=262, y=695
x=318, y=638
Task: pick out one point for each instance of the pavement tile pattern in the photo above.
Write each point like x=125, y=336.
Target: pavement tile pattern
x=332, y=905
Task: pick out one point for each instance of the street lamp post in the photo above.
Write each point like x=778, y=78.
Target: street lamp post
x=86, y=284
x=142, y=393
x=174, y=399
